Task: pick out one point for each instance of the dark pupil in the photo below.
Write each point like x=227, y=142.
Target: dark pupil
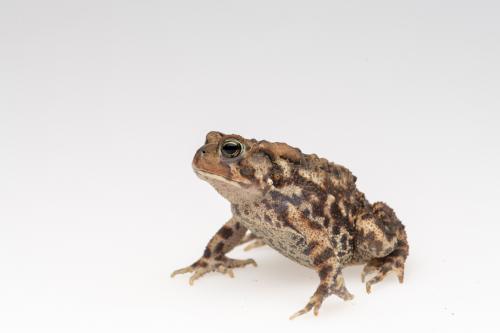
x=231, y=149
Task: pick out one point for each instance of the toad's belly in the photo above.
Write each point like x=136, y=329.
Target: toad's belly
x=281, y=238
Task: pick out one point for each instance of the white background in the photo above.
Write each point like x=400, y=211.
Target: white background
x=103, y=104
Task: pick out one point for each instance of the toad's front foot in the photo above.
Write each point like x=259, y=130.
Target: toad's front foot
x=222, y=265
x=314, y=303
x=318, y=297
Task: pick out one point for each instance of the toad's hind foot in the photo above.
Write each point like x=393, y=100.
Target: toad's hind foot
x=382, y=266
x=222, y=265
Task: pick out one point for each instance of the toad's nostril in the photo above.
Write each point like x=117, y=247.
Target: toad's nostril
x=203, y=151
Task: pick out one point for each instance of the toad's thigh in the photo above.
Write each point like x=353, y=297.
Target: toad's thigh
x=376, y=232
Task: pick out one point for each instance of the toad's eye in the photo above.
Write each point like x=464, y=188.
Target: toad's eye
x=231, y=148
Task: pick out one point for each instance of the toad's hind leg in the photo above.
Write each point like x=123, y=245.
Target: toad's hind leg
x=382, y=240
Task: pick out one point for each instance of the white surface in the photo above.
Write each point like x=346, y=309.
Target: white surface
x=103, y=104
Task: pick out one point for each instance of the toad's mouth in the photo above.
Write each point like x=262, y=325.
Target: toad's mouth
x=211, y=177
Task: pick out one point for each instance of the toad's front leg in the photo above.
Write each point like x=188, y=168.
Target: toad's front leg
x=214, y=258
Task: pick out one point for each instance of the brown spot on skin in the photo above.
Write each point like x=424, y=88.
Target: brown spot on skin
x=317, y=207
x=343, y=242
x=310, y=191
x=219, y=247
x=267, y=218
x=337, y=215
x=336, y=228
x=237, y=226
x=294, y=199
x=339, y=219
x=276, y=175
x=308, y=185
x=378, y=245
x=399, y=252
x=334, y=242
x=225, y=232
x=267, y=204
x=202, y=264
x=323, y=256
x=323, y=273
x=300, y=242
x=366, y=216
x=281, y=210
x=371, y=241
x=390, y=259
x=247, y=172
x=207, y=253
x=310, y=247
x=246, y=211
x=314, y=225
x=335, y=211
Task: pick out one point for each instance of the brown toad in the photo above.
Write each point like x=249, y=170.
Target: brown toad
x=303, y=206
